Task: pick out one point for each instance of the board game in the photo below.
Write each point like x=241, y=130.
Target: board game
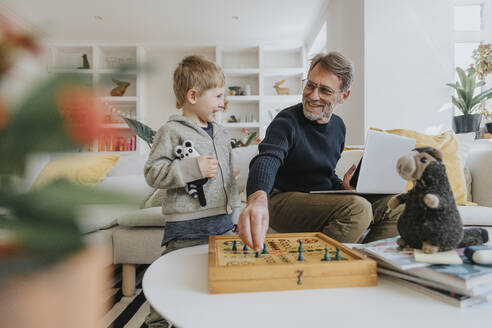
x=287, y=261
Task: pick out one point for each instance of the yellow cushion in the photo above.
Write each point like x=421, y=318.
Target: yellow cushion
x=448, y=144
x=83, y=169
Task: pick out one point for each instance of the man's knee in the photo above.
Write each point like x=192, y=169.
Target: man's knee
x=361, y=209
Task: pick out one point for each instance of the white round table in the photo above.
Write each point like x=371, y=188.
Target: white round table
x=176, y=285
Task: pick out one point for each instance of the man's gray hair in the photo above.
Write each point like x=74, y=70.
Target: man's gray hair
x=338, y=64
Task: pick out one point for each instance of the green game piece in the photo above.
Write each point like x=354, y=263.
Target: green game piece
x=327, y=255
x=258, y=254
x=245, y=248
x=300, y=258
x=338, y=257
x=265, y=251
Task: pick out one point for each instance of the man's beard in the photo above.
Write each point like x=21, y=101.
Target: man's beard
x=326, y=112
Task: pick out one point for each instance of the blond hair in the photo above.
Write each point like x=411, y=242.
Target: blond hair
x=196, y=72
x=338, y=64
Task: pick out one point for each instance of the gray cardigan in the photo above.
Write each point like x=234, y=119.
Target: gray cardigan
x=164, y=171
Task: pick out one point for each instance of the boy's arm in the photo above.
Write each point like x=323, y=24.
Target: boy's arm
x=162, y=170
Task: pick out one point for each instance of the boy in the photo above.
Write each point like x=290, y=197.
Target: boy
x=199, y=88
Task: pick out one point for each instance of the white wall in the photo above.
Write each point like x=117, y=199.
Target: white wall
x=402, y=52
x=408, y=59
x=159, y=99
x=345, y=33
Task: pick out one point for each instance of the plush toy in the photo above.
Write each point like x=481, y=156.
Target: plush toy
x=193, y=188
x=430, y=220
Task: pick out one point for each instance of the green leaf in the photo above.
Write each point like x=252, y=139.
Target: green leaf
x=462, y=76
x=143, y=131
x=250, y=138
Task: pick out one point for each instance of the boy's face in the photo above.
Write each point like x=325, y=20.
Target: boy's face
x=208, y=103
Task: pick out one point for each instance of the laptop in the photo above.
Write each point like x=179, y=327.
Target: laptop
x=376, y=172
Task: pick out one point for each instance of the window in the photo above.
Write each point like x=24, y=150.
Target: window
x=472, y=26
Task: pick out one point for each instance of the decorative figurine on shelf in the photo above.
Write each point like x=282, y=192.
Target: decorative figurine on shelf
x=85, y=63
x=281, y=91
x=234, y=91
x=119, y=91
x=232, y=119
x=193, y=188
x=430, y=220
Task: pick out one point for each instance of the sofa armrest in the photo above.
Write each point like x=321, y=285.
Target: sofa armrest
x=480, y=162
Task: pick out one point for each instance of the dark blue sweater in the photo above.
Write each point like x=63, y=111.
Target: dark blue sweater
x=298, y=154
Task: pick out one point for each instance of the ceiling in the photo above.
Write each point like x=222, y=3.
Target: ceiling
x=171, y=21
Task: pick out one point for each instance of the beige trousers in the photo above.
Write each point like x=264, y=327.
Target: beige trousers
x=343, y=217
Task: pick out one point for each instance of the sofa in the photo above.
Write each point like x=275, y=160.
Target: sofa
x=135, y=232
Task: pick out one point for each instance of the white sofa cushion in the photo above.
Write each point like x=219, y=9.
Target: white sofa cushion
x=101, y=216
x=476, y=215
x=242, y=156
x=147, y=217
x=134, y=186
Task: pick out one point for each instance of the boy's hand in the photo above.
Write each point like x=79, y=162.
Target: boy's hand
x=208, y=165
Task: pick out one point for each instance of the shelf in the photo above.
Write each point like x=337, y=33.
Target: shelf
x=243, y=98
x=286, y=98
x=241, y=71
x=119, y=99
x=240, y=57
x=71, y=71
x=116, y=71
x=292, y=71
x=115, y=126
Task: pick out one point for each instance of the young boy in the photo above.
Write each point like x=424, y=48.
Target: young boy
x=199, y=88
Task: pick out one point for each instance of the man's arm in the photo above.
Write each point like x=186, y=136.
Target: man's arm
x=253, y=221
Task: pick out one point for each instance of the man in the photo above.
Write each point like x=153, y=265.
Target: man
x=299, y=154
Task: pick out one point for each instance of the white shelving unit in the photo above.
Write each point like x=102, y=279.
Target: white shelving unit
x=254, y=70
x=107, y=62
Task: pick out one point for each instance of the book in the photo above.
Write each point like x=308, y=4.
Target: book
x=388, y=251
x=479, y=290
x=466, y=276
x=456, y=299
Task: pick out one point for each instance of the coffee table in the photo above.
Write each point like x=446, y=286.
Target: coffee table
x=176, y=285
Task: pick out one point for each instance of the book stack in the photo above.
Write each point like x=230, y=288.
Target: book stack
x=462, y=285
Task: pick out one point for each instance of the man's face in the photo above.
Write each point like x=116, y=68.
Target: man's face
x=321, y=94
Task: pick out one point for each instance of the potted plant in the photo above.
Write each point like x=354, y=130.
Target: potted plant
x=46, y=266
x=467, y=101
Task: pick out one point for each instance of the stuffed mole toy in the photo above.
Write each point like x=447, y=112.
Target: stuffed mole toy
x=193, y=188
x=430, y=220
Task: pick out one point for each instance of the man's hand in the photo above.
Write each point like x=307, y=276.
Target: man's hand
x=208, y=165
x=346, y=178
x=253, y=221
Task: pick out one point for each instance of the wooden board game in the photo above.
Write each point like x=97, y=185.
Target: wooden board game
x=291, y=261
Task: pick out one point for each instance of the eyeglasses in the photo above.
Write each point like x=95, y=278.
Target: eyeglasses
x=325, y=91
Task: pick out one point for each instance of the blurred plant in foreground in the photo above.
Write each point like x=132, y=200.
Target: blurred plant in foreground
x=39, y=227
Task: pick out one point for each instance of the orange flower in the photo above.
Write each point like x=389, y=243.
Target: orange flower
x=258, y=140
x=243, y=130
x=82, y=113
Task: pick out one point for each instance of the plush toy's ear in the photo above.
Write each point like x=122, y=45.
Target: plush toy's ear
x=438, y=154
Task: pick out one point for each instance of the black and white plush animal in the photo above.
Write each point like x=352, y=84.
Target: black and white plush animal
x=430, y=220
x=193, y=188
